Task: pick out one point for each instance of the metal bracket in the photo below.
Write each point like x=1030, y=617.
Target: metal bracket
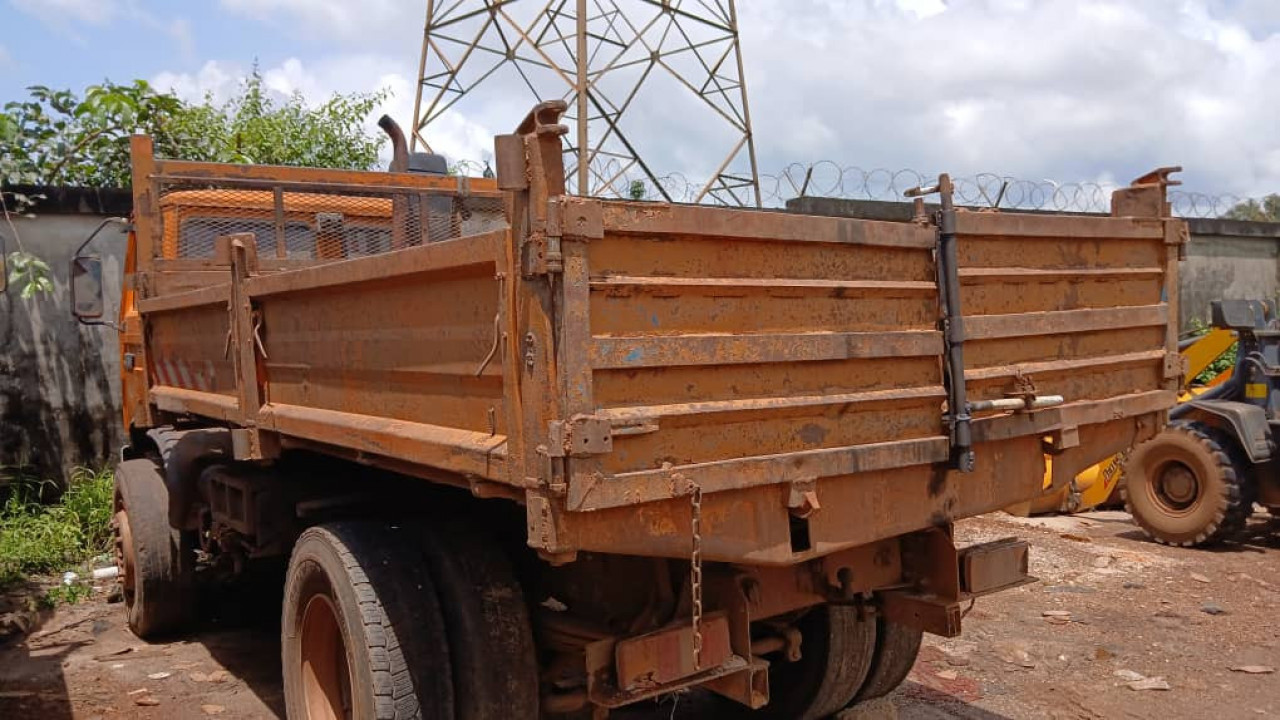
x=576, y=218
x=952, y=324
x=1175, y=365
x=580, y=436
x=802, y=499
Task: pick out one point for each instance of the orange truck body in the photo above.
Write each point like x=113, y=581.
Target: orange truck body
x=765, y=387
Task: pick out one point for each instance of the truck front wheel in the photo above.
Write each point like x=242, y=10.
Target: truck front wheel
x=362, y=635
x=156, y=562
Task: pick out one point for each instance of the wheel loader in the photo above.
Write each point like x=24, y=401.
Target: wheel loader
x=1101, y=485
x=1196, y=482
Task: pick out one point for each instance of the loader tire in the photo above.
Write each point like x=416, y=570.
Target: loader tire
x=836, y=653
x=1188, y=486
x=897, y=647
x=362, y=635
x=156, y=562
x=490, y=636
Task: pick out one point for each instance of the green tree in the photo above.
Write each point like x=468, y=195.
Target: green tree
x=1265, y=210
x=252, y=127
x=58, y=138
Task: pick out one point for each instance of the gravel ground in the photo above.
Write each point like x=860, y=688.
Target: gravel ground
x=1116, y=627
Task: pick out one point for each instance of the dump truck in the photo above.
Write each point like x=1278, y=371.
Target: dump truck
x=528, y=453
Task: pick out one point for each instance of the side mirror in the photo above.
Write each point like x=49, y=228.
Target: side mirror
x=86, y=287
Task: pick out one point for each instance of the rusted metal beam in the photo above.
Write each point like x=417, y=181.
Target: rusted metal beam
x=194, y=402
x=1052, y=228
x=442, y=447
x=646, y=414
x=276, y=175
x=435, y=257
x=986, y=327
x=760, y=225
x=1051, y=366
x=639, y=352
x=713, y=477
x=977, y=275
x=211, y=295
x=887, y=287
x=1122, y=406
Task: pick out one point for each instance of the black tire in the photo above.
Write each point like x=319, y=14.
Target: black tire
x=836, y=651
x=362, y=635
x=1189, y=486
x=897, y=647
x=491, y=647
x=157, y=562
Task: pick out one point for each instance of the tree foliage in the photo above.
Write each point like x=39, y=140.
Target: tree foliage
x=59, y=138
x=1265, y=210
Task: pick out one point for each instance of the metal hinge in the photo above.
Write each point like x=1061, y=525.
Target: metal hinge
x=580, y=436
x=542, y=255
x=574, y=217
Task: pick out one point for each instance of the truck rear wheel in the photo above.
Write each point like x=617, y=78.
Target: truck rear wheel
x=836, y=651
x=491, y=647
x=897, y=647
x=1188, y=486
x=156, y=562
x=362, y=635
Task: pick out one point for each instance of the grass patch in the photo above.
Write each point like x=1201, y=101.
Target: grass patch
x=40, y=538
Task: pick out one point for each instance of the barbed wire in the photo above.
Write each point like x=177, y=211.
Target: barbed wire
x=829, y=179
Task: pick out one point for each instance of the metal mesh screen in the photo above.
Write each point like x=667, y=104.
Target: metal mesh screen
x=317, y=225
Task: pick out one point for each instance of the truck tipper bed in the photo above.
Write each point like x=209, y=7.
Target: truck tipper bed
x=534, y=453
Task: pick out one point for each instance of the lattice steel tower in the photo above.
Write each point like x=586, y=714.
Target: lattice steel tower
x=600, y=56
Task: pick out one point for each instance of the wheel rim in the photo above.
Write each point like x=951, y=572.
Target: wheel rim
x=1175, y=487
x=126, y=559
x=326, y=680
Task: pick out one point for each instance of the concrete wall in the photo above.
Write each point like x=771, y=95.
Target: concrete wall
x=1226, y=259
x=59, y=380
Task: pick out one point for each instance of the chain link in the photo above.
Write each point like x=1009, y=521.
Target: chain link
x=695, y=565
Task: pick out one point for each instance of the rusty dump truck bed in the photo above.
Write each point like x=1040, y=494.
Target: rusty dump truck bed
x=609, y=364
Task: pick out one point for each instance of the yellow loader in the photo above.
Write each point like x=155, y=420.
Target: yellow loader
x=1099, y=486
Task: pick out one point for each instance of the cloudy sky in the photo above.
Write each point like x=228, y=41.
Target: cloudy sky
x=1074, y=90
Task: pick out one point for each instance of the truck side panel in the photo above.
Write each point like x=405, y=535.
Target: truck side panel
x=725, y=346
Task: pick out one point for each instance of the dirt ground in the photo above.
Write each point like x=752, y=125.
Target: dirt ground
x=1111, y=614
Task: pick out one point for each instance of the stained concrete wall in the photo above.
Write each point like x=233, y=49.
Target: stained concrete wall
x=1225, y=259
x=1230, y=260
x=59, y=380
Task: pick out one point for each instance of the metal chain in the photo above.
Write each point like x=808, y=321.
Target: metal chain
x=695, y=564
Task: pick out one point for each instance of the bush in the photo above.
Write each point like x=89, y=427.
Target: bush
x=38, y=538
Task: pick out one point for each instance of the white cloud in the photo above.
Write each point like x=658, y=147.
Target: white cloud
x=1066, y=90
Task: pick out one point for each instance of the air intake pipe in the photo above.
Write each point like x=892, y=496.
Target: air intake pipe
x=399, y=146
